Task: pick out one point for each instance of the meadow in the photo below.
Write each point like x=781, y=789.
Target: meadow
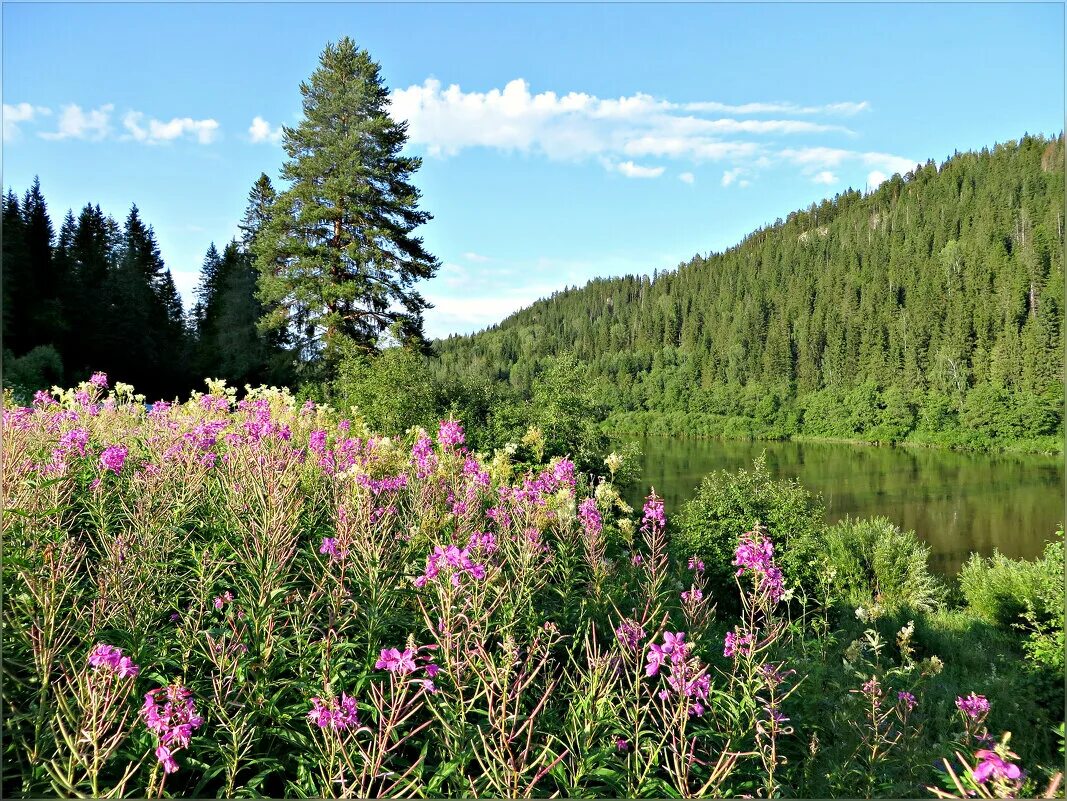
x=262, y=597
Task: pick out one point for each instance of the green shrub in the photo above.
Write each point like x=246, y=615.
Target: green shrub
x=40, y=368
x=1045, y=614
x=877, y=563
x=730, y=503
x=393, y=391
x=1002, y=590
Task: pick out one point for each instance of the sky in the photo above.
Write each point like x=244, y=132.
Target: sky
x=560, y=142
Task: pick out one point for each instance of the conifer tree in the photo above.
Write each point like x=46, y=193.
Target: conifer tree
x=338, y=244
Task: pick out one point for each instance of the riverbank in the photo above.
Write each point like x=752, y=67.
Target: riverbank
x=685, y=425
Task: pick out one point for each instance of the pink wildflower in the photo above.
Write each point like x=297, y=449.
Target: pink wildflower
x=113, y=458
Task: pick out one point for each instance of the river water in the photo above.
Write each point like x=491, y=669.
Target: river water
x=957, y=502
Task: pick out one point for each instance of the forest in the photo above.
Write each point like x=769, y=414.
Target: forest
x=929, y=310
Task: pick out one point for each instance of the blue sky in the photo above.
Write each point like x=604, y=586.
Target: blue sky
x=560, y=142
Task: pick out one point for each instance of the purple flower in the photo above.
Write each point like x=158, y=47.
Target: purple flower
x=590, y=517
x=908, y=700
x=113, y=458
x=696, y=565
x=338, y=715
x=223, y=599
x=396, y=661
x=329, y=546
x=622, y=745
x=653, y=512
x=166, y=758
x=694, y=596
x=99, y=380
x=169, y=712
x=450, y=433
x=991, y=766
x=974, y=706
x=629, y=634
x=734, y=644
x=108, y=658
x=755, y=552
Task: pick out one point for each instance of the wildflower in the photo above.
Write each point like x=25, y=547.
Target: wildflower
x=450, y=433
x=174, y=617
x=110, y=659
x=339, y=715
x=590, y=517
x=396, y=661
x=696, y=565
x=170, y=713
x=622, y=745
x=974, y=706
x=629, y=634
x=329, y=546
x=735, y=644
x=755, y=552
x=99, y=380
x=872, y=688
x=908, y=700
x=113, y=457
x=637, y=560
x=693, y=595
x=653, y=512
x=223, y=599
x=991, y=766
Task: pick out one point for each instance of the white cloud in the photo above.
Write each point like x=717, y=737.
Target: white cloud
x=834, y=109
x=261, y=131
x=16, y=114
x=631, y=170
x=476, y=257
x=815, y=159
x=157, y=131
x=730, y=176
x=574, y=126
x=874, y=179
x=825, y=177
x=686, y=178
x=75, y=123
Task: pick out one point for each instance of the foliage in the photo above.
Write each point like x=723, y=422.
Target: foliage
x=336, y=252
x=1003, y=591
x=41, y=367
x=391, y=391
x=311, y=609
x=728, y=501
x=929, y=310
x=874, y=563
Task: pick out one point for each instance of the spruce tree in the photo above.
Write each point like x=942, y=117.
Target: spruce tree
x=338, y=247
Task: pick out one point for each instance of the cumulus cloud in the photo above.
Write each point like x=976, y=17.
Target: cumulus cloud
x=77, y=123
x=687, y=178
x=730, y=176
x=631, y=170
x=19, y=113
x=157, y=131
x=825, y=177
x=830, y=109
x=261, y=131
x=875, y=179
x=577, y=125
x=813, y=160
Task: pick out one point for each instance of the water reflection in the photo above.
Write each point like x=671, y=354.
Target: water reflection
x=957, y=502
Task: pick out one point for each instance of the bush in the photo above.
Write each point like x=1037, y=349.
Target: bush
x=877, y=563
x=730, y=503
x=393, y=391
x=1001, y=590
x=41, y=368
x=1045, y=615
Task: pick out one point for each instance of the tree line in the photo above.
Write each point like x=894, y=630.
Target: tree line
x=98, y=296
x=932, y=305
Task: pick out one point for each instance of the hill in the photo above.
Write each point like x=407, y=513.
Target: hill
x=929, y=310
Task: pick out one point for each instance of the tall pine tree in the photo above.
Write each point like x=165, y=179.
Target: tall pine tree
x=338, y=244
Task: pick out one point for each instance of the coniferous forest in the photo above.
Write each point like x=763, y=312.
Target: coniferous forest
x=930, y=310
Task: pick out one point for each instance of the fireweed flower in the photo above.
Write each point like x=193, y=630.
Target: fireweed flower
x=456, y=560
x=653, y=512
x=755, y=552
x=629, y=634
x=696, y=565
x=423, y=456
x=329, y=546
x=735, y=644
x=907, y=700
x=622, y=745
x=992, y=766
x=974, y=706
x=170, y=714
x=113, y=458
x=590, y=517
x=222, y=600
x=694, y=595
x=340, y=714
x=99, y=380
x=673, y=651
x=396, y=661
x=109, y=659
x=450, y=433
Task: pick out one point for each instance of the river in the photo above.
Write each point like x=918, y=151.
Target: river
x=956, y=502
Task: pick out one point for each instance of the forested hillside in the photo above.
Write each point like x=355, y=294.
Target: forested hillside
x=929, y=310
